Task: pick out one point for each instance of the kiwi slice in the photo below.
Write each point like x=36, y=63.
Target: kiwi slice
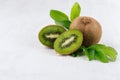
x=49, y=33
x=68, y=42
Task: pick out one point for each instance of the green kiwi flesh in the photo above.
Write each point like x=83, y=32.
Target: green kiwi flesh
x=68, y=42
x=48, y=34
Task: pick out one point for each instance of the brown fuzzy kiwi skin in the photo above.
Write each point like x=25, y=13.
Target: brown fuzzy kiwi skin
x=90, y=28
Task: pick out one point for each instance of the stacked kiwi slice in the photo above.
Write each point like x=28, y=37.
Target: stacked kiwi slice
x=63, y=41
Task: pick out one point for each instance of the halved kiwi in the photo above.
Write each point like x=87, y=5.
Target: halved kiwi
x=68, y=42
x=49, y=33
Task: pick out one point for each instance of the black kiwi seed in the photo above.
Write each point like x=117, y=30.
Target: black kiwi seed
x=48, y=34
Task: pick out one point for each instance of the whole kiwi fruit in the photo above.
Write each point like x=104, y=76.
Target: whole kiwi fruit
x=68, y=42
x=49, y=33
x=90, y=28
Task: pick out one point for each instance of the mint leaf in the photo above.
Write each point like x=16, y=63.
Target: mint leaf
x=99, y=55
x=75, y=11
x=109, y=52
x=66, y=24
x=99, y=52
x=85, y=51
x=112, y=49
x=104, y=51
x=79, y=52
x=91, y=54
x=58, y=15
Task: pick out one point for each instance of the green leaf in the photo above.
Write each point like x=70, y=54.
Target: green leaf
x=112, y=49
x=86, y=53
x=99, y=55
x=63, y=23
x=109, y=52
x=91, y=53
x=79, y=52
x=58, y=15
x=99, y=52
x=75, y=11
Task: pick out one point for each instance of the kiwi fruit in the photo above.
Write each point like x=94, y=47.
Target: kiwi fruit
x=90, y=28
x=68, y=42
x=49, y=33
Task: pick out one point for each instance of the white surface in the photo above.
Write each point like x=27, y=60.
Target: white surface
x=23, y=57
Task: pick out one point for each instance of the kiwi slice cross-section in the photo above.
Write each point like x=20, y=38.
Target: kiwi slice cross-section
x=48, y=34
x=68, y=42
